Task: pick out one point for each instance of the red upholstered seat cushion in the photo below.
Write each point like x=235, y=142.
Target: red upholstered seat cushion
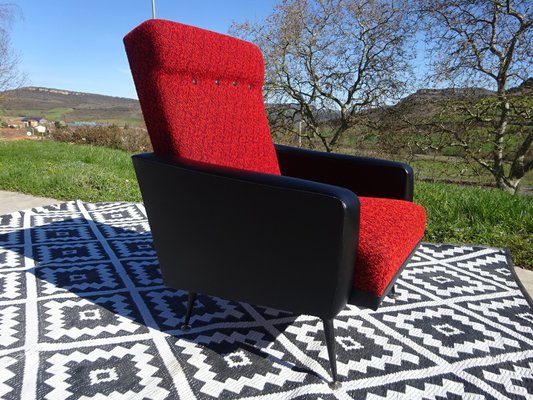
x=389, y=231
x=201, y=95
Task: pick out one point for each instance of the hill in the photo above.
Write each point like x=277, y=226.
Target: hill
x=55, y=104
x=426, y=102
x=525, y=89
x=69, y=106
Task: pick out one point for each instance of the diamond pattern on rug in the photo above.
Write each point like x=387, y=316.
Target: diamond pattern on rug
x=491, y=270
x=446, y=282
x=74, y=233
x=122, y=371
x=230, y=362
x=448, y=333
x=69, y=253
x=513, y=312
x=512, y=380
x=369, y=353
x=83, y=301
x=88, y=318
x=55, y=279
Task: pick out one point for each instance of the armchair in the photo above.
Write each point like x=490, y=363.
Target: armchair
x=234, y=216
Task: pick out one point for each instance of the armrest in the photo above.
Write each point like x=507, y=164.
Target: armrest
x=369, y=177
x=270, y=240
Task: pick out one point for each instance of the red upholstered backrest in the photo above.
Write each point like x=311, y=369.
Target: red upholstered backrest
x=201, y=95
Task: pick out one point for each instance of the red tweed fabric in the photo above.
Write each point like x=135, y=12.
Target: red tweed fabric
x=389, y=231
x=200, y=93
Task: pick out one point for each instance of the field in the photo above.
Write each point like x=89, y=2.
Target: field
x=456, y=214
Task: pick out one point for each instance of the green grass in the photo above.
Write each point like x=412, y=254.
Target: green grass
x=456, y=214
x=57, y=114
x=65, y=171
x=469, y=215
x=459, y=171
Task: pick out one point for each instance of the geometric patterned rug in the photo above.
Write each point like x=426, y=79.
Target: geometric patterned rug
x=84, y=314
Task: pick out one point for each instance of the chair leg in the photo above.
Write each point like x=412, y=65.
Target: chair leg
x=329, y=330
x=190, y=305
x=393, y=293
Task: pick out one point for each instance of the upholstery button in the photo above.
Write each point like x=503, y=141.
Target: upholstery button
x=234, y=83
x=194, y=81
x=217, y=82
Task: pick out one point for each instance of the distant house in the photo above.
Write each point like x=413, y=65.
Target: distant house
x=40, y=129
x=31, y=122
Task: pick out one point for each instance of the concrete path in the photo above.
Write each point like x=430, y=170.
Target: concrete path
x=11, y=202
x=526, y=277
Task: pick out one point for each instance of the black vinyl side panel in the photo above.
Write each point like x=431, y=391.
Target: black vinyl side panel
x=369, y=177
x=269, y=240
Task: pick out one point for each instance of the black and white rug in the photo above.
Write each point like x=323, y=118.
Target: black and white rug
x=84, y=314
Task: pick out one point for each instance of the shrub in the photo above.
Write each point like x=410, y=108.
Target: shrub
x=128, y=139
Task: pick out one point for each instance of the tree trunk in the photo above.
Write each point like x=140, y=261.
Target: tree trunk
x=507, y=185
x=499, y=134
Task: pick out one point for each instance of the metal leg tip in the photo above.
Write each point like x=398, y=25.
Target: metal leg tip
x=185, y=327
x=334, y=385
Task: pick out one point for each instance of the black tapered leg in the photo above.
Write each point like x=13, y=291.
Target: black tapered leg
x=329, y=330
x=190, y=305
x=393, y=293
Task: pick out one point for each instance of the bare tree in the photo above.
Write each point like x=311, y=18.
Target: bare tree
x=327, y=61
x=10, y=75
x=485, y=43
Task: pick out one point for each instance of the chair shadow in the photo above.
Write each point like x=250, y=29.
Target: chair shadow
x=91, y=273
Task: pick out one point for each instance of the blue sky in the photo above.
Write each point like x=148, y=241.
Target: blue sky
x=77, y=44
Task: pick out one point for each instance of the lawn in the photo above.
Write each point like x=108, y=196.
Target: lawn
x=66, y=171
x=470, y=215
x=456, y=214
